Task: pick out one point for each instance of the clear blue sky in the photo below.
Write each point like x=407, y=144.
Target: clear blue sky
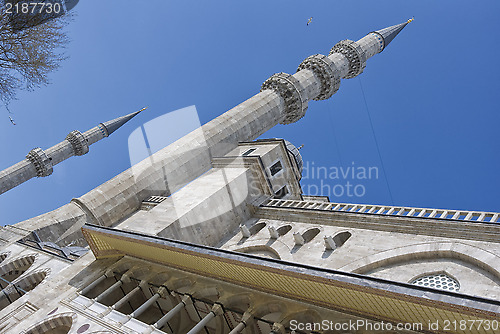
x=432, y=94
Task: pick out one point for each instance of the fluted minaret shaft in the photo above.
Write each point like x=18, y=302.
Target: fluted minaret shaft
x=40, y=163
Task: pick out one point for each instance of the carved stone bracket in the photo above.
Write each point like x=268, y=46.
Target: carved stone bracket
x=41, y=161
x=354, y=54
x=292, y=92
x=326, y=71
x=77, y=140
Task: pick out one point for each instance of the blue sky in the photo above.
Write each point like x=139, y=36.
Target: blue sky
x=432, y=94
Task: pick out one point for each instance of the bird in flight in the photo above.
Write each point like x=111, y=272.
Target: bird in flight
x=12, y=121
x=310, y=20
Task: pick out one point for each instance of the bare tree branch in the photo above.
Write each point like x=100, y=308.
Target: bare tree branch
x=30, y=48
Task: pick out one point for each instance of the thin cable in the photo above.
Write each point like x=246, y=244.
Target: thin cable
x=376, y=142
x=334, y=135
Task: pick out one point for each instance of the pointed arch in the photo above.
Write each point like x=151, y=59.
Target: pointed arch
x=341, y=238
x=272, y=311
x=440, y=280
x=158, y=278
x=264, y=308
x=58, y=324
x=31, y=281
x=21, y=262
x=122, y=266
x=21, y=286
x=142, y=272
x=470, y=254
x=234, y=307
x=282, y=230
x=274, y=246
x=310, y=234
x=15, y=268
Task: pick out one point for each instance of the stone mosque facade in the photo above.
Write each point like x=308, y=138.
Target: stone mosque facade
x=212, y=234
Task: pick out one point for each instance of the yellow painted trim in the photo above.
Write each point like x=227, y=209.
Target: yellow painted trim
x=341, y=296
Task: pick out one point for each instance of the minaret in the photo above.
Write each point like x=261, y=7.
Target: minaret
x=283, y=99
x=40, y=162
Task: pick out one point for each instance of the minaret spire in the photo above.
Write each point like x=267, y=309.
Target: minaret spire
x=389, y=33
x=113, y=125
x=40, y=162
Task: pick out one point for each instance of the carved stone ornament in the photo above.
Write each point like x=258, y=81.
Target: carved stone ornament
x=41, y=161
x=292, y=92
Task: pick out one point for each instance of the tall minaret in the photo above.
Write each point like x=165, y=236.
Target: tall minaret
x=40, y=162
x=283, y=99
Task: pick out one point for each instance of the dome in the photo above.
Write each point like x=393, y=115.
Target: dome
x=294, y=152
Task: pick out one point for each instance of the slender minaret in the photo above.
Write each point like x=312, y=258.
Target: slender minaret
x=40, y=162
x=283, y=99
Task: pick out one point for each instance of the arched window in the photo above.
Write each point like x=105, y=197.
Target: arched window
x=341, y=238
x=284, y=230
x=31, y=281
x=440, y=281
x=310, y=234
x=20, y=287
x=60, y=324
x=257, y=227
x=14, y=269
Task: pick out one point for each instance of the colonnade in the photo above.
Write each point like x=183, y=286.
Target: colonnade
x=223, y=313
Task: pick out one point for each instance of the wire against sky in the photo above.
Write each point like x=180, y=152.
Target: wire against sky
x=376, y=142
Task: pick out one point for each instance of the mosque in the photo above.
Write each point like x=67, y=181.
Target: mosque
x=213, y=234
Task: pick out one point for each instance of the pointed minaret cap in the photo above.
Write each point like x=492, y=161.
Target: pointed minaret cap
x=113, y=125
x=389, y=33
